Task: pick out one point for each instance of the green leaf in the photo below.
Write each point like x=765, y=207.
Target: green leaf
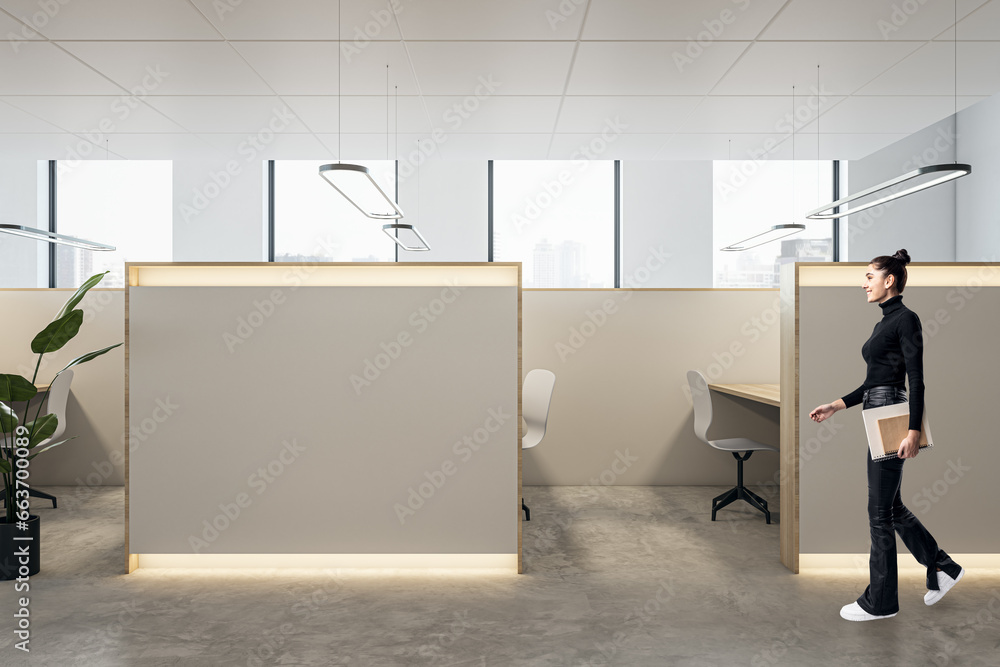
x=4, y=466
x=58, y=333
x=48, y=447
x=16, y=388
x=41, y=429
x=8, y=420
x=87, y=357
x=79, y=294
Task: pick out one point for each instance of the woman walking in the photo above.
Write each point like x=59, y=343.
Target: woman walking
x=893, y=352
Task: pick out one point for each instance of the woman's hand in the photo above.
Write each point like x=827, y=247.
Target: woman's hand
x=823, y=412
x=910, y=446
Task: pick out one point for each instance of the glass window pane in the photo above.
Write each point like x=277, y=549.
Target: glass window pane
x=750, y=197
x=557, y=217
x=124, y=203
x=315, y=223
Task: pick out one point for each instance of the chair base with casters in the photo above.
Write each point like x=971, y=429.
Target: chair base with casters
x=740, y=492
x=34, y=493
x=527, y=511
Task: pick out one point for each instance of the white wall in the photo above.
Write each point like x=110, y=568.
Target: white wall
x=23, y=262
x=451, y=210
x=977, y=232
x=667, y=210
x=924, y=222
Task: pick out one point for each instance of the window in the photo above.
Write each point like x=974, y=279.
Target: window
x=750, y=197
x=124, y=203
x=315, y=223
x=558, y=219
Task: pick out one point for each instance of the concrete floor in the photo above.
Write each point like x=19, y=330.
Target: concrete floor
x=615, y=576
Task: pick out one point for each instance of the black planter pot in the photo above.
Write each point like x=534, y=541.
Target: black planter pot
x=11, y=548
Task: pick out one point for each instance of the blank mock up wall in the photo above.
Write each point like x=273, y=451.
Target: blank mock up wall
x=950, y=488
x=620, y=413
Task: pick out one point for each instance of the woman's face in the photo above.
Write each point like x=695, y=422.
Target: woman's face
x=876, y=284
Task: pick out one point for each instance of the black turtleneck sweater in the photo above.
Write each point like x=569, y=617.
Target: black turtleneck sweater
x=895, y=350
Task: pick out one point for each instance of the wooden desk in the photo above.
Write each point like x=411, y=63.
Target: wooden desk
x=762, y=393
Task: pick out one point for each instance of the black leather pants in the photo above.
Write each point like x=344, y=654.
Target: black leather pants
x=887, y=516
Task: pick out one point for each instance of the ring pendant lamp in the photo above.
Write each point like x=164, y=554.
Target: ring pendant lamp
x=52, y=237
x=353, y=181
x=393, y=229
x=944, y=172
x=777, y=231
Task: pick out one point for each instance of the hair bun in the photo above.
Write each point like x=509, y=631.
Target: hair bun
x=903, y=256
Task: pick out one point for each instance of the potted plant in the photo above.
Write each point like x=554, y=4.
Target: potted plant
x=19, y=530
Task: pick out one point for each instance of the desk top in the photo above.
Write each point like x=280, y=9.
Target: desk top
x=762, y=393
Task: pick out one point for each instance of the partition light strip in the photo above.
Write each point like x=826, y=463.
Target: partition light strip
x=949, y=172
x=772, y=234
x=52, y=237
x=506, y=562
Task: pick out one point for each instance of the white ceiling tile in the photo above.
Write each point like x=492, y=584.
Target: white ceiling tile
x=82, y=113
x=362, y=20
x=501, y=114
x=982, y=24
x=310, y=68
x=172, y=68
x=885, y=115
x=650, y=68
x=59, y=146
x=362, y=114
x=596, y=147
x=491, y=68
x=373, y=147
x=638, y=114
x=865, y=19
x=115, y=19
x=228, y=113
x=706, y=20
x=772, y=68
x=509, y=20
x=747, y=114
x=40, y=68
x=15, y=31
x=250, y=153
x=854, y=146
x=14, y=119
x=931, y=71
x=163, y=147
x=496, y=147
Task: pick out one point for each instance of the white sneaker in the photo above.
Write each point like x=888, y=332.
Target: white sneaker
x=945, y=584
x=854, y=612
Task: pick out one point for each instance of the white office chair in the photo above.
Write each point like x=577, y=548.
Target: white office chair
x=536, y=395
x=57, y=399
x=740, y=448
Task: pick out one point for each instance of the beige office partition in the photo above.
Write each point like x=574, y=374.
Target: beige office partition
x=325, y=415
x=621, y=412
x=950, y=488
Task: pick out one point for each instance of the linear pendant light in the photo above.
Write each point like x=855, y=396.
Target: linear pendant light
x=52, y=237
x=392, y=229
x=354, y=181
x=944, y=172
x=777, y=231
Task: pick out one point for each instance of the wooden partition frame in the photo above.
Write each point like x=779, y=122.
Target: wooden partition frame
x=134, y=272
